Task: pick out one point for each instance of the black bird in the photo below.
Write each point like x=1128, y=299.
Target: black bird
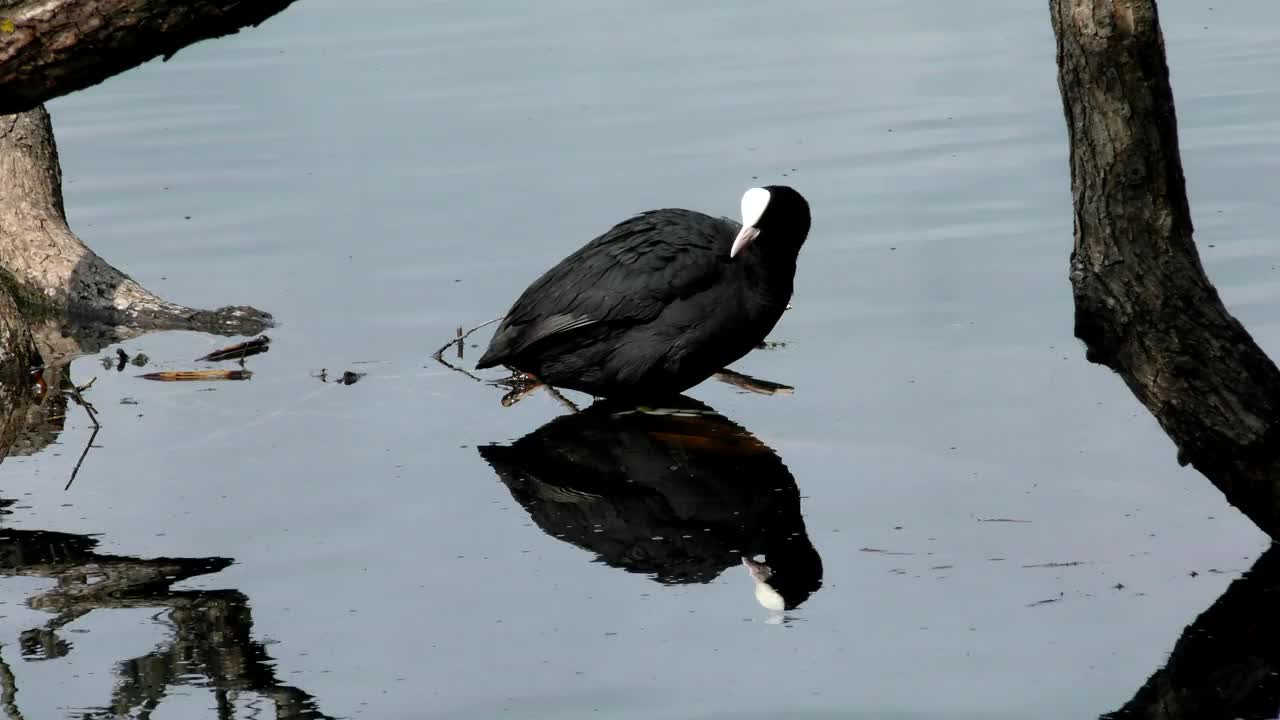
x=660, y=301
x=680, y=494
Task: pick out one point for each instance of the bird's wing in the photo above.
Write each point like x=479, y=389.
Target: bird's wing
x=625, y=276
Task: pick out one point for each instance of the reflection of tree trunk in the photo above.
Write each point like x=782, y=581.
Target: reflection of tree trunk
x=51, y=271
x=1227, y=663
x=52, y=47
x=9, y=692
x=17, y=356
x=1144, y=306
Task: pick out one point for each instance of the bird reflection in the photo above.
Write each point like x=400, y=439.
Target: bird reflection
x=679, y=493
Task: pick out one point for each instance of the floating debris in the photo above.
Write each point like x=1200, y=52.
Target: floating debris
x=197, y=375
x=752, y=384
x=118, y=362
x=1002, y=519
x=128, y=401
x=348, y=377
x=1073, y=563
x=1046, y=601
x=883, y=552
x=139, y=360
x=239, y=351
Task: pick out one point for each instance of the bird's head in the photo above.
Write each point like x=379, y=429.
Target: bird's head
x=772, y=214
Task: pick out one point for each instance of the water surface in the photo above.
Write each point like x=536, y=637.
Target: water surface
x=378, y=176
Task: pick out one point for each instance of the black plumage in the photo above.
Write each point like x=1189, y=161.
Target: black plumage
x=655, y=305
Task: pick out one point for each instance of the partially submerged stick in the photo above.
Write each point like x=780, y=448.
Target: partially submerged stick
x=239, y=351
x=751, y=384
x=459, y=341
x=93, y=418
x=197, y=375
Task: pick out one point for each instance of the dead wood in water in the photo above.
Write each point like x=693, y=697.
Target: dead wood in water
x=1144, y=306
x=197, y=375
x=239, y=351
x=49, y=48
x=743, y=381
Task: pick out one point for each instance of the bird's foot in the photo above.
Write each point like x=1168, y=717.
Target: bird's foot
x=521, y=384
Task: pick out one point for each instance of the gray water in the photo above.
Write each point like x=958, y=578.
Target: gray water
x=377, y=175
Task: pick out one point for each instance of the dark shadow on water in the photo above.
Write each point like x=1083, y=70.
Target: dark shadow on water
x=1227, y=662
x=210, y=642
x=680, y=494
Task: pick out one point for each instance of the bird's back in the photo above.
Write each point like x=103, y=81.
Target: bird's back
x=649, y=305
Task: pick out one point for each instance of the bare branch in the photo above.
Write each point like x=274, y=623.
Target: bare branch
x=49, y=48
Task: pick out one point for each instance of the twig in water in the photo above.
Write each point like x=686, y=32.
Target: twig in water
x=93, y=418
x=463, y=336
x=439, y=354
x=239, y=351
x=751, y=384
x=85, y=453
x=197, y=375
x=75, y=392
x=511, y=398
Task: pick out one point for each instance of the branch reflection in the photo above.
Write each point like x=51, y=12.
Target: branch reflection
x=210, y=641
x=680, y=493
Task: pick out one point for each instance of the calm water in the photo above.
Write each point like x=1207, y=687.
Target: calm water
x=378, y=176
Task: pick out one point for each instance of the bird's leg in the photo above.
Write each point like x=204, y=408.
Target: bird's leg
x=561, y=398
x=750, y=384
x=523, y=384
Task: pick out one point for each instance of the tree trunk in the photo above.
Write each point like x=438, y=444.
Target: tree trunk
x=52, y=47
x=1144, y=306
x=52, y=273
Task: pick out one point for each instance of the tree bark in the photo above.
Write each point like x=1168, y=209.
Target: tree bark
x=1143, y=304
x=52, y=273
x=49, y=48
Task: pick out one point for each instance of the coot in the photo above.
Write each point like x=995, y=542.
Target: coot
x=660, y=301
